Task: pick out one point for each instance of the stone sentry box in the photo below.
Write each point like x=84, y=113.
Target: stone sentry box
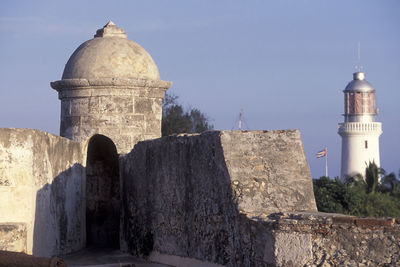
x=111, y=86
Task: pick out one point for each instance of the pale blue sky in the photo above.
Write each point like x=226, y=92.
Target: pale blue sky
x=284, y=62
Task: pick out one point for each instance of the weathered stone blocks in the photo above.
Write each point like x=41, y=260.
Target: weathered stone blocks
x=291, y=249
x=187, y=195
x=79, y=106
x=143, y=105
x=269, y=171
x=13, y=237
x=131, y=111
x=334, y=239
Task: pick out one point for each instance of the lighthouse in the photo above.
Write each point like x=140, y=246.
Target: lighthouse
x=359, y=131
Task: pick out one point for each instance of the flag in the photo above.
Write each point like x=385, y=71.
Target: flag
x=321, y=153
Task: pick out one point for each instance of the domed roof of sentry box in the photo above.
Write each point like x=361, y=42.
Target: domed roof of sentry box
x=359, y=84
x=110, y=54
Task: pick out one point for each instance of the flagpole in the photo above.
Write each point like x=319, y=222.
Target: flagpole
x=326, y=162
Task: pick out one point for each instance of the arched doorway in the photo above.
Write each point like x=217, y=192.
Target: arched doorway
x=103, y=202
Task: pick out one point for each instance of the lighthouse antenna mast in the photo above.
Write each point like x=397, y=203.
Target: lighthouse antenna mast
x=358, y=66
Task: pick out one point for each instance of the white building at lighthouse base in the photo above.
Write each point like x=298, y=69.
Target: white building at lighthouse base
x=360, y=145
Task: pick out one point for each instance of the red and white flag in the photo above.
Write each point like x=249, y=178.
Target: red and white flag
x=321, y=153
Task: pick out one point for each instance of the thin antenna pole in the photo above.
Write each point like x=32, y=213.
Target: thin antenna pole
x=240, y=119
x=359, y=57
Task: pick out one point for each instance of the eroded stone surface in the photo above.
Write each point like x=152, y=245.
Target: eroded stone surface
x=13, y=237
x=268, y=170
x=124, y=115
x=336, y=240
x=292, y=249
x=180, y=193
x=46, y=193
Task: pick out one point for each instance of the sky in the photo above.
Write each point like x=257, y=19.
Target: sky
x=285, y=63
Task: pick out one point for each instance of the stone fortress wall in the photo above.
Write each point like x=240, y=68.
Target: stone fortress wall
x=187, y=199
x=321, y=239
x=238, y=198
x=230, y=198
x=42, y=181
x=194, y=196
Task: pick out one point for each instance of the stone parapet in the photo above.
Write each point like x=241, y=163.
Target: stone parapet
x=150, y=92
x=332, y=240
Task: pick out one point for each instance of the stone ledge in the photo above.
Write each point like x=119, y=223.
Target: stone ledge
x=113, y=82
x=8, y=258
x=371, y=222
x=178, y=261
x=111, y=91
x=300, y=221
x=13, y=236
x=343, y=219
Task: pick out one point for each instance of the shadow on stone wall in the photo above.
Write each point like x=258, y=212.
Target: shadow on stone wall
x=178, y=200
x=81, y=206
x=59, y=220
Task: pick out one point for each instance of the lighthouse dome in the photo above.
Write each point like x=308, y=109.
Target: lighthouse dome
x=110, y=54
x=359, y=84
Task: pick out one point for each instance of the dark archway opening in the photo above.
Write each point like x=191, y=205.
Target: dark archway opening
x=103, y=203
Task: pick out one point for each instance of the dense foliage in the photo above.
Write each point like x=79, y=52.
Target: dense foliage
x=357, y=197
x=176, y=120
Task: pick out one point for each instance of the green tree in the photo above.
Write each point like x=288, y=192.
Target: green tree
x=355, y=197
x=396, y=192
x=329, y=194
x=176, y=120
x=381, y=205
x=358, y=197
x=199, y=121
x=372, y=173
x=389, y=182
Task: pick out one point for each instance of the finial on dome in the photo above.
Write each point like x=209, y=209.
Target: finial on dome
x=111, y=30
x=359, y=75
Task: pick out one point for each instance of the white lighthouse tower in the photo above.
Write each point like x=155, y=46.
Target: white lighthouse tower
x=360, y=132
